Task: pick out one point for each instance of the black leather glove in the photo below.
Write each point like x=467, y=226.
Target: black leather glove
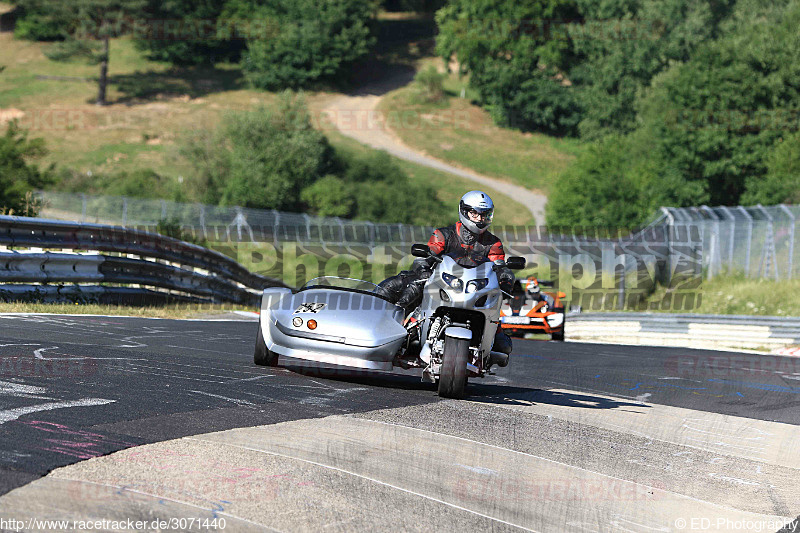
x=505, y=277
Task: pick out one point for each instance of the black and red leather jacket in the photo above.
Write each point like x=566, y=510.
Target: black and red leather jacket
x=449, y=241
x=485, y=246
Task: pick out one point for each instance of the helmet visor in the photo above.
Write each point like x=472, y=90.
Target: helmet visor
x=480, y=216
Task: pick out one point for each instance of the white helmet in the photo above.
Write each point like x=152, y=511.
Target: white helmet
x=533, y=286
x=475, y=210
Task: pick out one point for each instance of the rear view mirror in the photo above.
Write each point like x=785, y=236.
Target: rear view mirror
x=515, y=263
x=420, y=250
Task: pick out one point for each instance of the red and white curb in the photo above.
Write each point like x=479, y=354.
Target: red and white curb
x=789, y=350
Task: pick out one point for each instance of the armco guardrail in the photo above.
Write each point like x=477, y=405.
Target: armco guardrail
x=91, y=294
x=688, y=330
x=43, y=233
x=226, y=280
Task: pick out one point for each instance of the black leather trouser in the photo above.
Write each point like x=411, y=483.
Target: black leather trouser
x=402, y=289
x=502, y=342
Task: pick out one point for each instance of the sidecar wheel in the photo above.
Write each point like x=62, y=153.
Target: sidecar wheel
x=262, y=356
x=453, y=377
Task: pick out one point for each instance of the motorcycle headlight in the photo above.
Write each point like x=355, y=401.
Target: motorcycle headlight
x=477, y=284
x=455, y=283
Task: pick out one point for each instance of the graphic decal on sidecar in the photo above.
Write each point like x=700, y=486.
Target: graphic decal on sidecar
x=311, y=307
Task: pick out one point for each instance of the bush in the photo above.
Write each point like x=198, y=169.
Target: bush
x=262, y=158
x=526, y=98
x=141, y=183
x=430, y=83
x=18, y=177
x=601, y=189
x=314, y=41
x=35, y=27
x=330, y=197
x=375, y=189
x=383, y=193
x=171, y=227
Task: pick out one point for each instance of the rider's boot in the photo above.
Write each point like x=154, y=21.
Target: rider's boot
x=410, y=356
x=501, y=349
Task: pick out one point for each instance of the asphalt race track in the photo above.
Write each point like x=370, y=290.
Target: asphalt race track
x=569, y=437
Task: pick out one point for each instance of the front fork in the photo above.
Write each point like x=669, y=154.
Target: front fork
x=433, y=351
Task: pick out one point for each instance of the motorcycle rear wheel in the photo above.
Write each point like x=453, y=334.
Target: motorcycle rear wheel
x=453, y=373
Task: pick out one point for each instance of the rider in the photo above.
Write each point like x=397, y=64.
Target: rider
x=471, y=243
x=536, y=294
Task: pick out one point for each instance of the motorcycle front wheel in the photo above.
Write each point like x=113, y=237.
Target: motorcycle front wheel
x=453, y=373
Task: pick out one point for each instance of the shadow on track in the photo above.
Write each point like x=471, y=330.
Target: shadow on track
x=509, y=395
x=360, y=377
x=498, y=394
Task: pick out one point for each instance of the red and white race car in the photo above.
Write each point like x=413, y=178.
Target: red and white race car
x=533, y=311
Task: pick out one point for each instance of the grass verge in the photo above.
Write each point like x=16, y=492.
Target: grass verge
x=737, y=295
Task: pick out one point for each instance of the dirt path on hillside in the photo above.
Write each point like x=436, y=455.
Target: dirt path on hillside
x=357, y=116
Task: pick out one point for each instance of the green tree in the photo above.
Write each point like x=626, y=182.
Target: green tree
x=191, y=32
x=781, y=183
x=707, y=129
x=714, y=119
x=374, y=188
x=518, y=55
x=622, y=44
x=36, y=20
x=276, y=160
x=314, y=41
x=18, y=176
x=88, y=26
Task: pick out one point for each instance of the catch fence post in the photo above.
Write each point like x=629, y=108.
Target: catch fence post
x=203, y=219
x=791, y=239
x=308, y=227
x=749, y=240
x=277, y=222
x=714, y=244
x=668, y=234
x=731, y=237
